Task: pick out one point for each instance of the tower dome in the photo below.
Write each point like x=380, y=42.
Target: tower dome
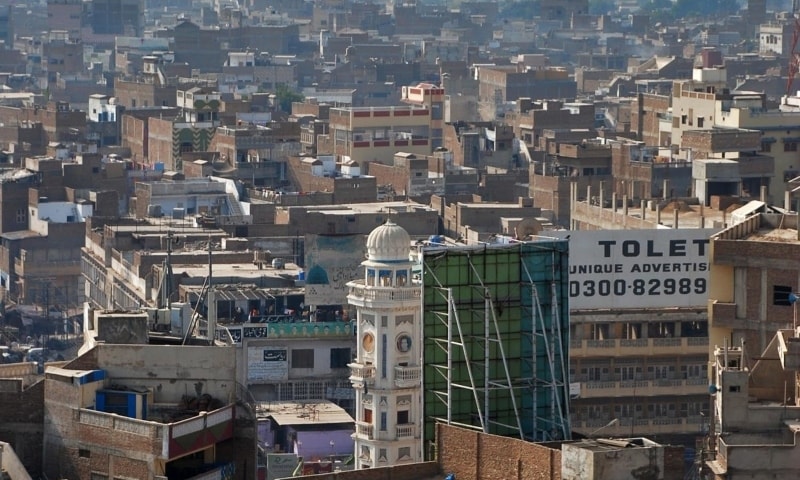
x=388, y=243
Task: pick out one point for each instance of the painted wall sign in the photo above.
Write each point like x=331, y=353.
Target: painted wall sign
x=267, y=364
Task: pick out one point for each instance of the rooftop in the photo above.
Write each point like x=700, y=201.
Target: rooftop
x=314, y=412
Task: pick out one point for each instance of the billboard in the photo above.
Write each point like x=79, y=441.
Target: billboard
x=332, y=261
x=615, y=269
x=267, y=364
x=281, y=465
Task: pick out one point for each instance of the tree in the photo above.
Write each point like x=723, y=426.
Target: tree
x=286, y=96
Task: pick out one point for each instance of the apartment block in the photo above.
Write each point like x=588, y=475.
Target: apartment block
x=374, y=134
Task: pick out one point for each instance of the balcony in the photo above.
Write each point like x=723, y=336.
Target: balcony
x=406, y=431
x=364, y=430
x=362, y=293
x=644, y=388
x=723, y=315
x=619, y=347
x=407, y=376
x=362, y=374
x=627, y=427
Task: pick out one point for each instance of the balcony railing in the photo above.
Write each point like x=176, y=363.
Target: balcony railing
x=641, y=426
x=406, y=376
x=404, y=431
x=362, y=373
x=359, y=291
x=621, y=347
x=364, y=429
x=643, y=388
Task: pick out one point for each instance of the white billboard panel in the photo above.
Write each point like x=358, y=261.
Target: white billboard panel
x=615, y=269
x=267, y=364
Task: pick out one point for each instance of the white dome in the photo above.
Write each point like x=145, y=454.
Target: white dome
x=389, y=242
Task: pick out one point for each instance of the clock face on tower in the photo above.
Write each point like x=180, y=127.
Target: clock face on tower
x=368, y=342
x=404, y=343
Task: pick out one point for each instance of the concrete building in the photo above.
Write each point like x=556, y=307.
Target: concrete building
x=386, y=373
x=119, y=410
x=482, y=145
x=65, y=15
x=117, y=17
x=432, y=97
x=316, y=433
x=727, y=162
x=752, y=427
x=531, y=118
x=322, y=174
x=192, y=131
x=420, y=221
x=752, y=279
x=418, y=177
x=775, y=38
x=500, y=84
x=696, y=103
x=22, y=418
x=779, y=139
x=620, y=458
x=374, y=134
x=104, y=120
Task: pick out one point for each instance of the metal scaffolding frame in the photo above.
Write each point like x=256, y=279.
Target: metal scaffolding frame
x=494, y=392
x=556, y=384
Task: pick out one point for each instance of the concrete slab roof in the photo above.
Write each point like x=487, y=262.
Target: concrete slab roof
x=313, y=412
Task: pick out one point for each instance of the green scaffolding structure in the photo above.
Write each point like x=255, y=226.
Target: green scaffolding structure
x=496, y=339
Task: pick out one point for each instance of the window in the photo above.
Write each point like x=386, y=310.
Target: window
x=734, y=389
x=790, y=146
x=383, y=422
x=781, y=294
x=683, y=119
x=84, y=453
x=402, y=417
x=303, y=358
x=340, y=357
x=382, y=455
x=404, y=453
x=367, y=415
x=22, y=215
x=700, y=122
x=766, y=147
x=436, y=111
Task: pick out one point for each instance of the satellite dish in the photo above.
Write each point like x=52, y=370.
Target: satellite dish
x=793, y=298
x=712, y=389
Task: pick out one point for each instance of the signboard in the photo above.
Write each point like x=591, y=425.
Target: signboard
x=614, y=269
x=574, y=390
x=267, y=364
x=281, y=465
x=332, y=261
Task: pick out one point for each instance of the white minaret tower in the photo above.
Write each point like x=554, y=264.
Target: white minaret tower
x=386, y=374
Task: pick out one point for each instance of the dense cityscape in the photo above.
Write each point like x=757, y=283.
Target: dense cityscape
x=399, y=239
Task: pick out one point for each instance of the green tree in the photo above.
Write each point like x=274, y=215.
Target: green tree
x=286, y=96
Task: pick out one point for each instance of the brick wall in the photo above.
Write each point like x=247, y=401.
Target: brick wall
x=397, y=177
x=414, y=471
x=21, y=419
x=490, y=457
